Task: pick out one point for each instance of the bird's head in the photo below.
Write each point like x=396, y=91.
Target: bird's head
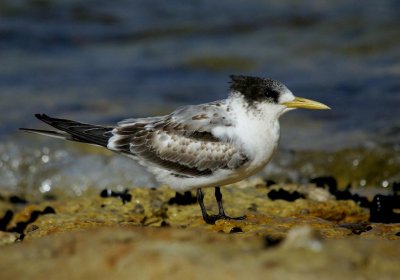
x=270, y=93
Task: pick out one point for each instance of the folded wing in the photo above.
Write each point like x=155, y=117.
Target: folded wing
x=181, y=142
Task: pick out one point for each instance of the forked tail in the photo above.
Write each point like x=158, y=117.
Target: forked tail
x=74, y=131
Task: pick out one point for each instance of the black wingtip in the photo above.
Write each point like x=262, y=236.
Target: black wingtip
x=46, y=119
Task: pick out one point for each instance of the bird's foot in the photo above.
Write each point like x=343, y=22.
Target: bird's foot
x=211, y=219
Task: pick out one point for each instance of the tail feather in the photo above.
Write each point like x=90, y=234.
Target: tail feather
x=50, y=133
x=74, y=131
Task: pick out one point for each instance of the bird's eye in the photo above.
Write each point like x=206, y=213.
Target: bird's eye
x=272, y=95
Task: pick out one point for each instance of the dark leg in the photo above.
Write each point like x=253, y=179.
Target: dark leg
x=207, y=218
x=210, y=219
x=221, y=211
x=218, y=197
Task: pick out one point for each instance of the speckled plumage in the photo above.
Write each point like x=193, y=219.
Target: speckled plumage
x=182, y=142
x=197, y=146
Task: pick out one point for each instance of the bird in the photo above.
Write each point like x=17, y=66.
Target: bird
x=198, y=146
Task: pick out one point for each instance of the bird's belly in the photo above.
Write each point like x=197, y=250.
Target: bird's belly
x=218, y=178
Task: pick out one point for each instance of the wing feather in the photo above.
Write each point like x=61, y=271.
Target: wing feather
x=181, y=142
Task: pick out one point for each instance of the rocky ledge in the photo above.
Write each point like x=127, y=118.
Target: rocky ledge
x=290, y=232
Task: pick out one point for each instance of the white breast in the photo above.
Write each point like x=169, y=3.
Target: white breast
x=256, y=131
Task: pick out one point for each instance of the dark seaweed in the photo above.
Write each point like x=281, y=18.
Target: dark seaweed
x=331, y=183
x=183, y=199
x=381, y=208
x=14, y=199
x=270, y=241
x=236, y=230
x=5, y=220
x=21, y=226
x=357, y=228
x=396, y=188
x=285, y=195
x=125, y=196
x=164, y=224
x=269, y=182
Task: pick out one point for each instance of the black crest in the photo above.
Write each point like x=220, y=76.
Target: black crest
x=256, y=89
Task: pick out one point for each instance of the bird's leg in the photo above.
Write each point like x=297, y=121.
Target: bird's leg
x=211, y=219
x=207, y=218
x=221, y=211
x=218, y=197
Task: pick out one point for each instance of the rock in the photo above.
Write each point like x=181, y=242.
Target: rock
x=303, y=237
x=147, y=237
x=8, y=237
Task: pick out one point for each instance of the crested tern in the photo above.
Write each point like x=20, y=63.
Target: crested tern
x=198, y=146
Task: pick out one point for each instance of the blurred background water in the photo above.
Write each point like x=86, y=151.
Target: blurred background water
x=101, y=61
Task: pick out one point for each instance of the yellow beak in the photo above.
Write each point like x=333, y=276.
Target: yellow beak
x=299, y=102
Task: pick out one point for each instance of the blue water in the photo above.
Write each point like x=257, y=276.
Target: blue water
x=101, y=61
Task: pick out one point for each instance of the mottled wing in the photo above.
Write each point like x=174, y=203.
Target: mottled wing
x=181, y=142
x=197, y=119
